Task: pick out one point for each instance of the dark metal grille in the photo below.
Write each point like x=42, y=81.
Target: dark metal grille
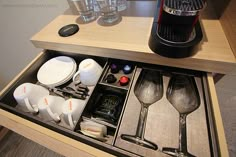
x=185, y=5
x=177, y=33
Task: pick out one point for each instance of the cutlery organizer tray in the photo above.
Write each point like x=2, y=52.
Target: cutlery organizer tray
x=162, y=126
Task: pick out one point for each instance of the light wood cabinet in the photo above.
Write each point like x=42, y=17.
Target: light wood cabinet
x=127, y=40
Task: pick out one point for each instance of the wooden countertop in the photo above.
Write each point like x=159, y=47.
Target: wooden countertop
x=129, y=39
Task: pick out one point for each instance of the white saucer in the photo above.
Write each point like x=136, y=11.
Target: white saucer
x=57, y=71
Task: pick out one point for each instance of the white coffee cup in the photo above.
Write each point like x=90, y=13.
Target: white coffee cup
x=50, y=107
x=89, y=72
x=27, y=96
x=72, y=110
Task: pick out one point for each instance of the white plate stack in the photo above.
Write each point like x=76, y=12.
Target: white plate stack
x=57, y=71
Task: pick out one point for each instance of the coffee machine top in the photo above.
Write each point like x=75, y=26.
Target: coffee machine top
x=183, y=7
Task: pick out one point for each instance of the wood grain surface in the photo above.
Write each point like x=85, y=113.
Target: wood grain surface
x=48, y=138
x=3, y=132
x=228, y=22
x=129, y=40
x=217, y=116
x=225, y=11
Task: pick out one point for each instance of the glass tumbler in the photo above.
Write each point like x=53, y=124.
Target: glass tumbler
x=108, y=10
x=96, y=7
x=85, y=9
x=122, y=5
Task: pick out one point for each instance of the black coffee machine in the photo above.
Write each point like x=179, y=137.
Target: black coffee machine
x=176, y=28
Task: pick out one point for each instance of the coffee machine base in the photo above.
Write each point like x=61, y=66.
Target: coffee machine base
x=169, y=41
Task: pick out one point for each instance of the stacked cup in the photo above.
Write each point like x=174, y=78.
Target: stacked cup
x=50, y=107
x=27, y=96
x=72, y=110
x=36, y=99
x=89, y=72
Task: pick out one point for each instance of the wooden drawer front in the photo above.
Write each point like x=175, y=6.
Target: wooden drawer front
x=70, y=143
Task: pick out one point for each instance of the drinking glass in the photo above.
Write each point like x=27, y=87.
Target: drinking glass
x=96, y=7
x=108, y=10
x=182, y=93
x=148, y=90
x=85, y=9
x=122, y=5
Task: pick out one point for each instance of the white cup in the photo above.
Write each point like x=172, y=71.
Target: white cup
x=89, y=72
x=72, y=110
x=50, y=107
x=27, y=96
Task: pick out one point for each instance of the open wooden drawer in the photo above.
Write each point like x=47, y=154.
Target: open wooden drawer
x=71, y=143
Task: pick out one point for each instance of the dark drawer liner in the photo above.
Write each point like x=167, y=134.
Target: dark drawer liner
x=8, y=103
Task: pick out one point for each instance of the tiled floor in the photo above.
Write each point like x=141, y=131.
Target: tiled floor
x=14, y=145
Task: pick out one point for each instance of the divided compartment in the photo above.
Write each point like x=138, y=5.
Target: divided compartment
x=118, y=75
x=162, y=126
x=62, y=122
x=202, y=140
x=8, y=102
x=105, y=107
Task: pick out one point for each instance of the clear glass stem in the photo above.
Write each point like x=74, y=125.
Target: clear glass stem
x=182, y=133
x=142, y=121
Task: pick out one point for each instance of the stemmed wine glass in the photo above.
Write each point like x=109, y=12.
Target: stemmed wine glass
x=148, y=89
x=182, y=93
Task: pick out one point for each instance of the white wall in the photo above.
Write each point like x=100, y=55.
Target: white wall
x=19, y=21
